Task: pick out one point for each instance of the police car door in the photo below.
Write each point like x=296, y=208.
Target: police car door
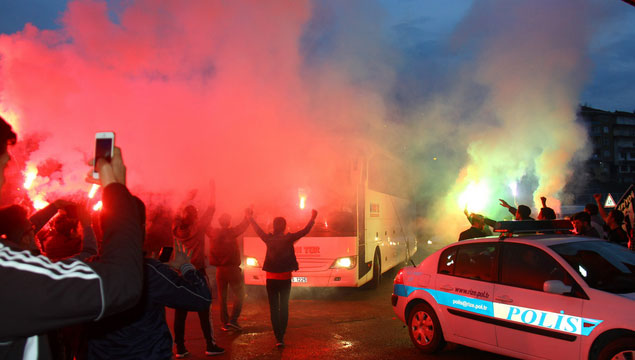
x=530, y=320
x=464, y=290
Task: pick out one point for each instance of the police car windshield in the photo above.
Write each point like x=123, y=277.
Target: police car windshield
x=604, y=266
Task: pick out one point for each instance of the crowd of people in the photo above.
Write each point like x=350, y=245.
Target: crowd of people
x=594, y=221
x=84, y=288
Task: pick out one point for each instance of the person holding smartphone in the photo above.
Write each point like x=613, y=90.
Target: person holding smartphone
x=39, y=295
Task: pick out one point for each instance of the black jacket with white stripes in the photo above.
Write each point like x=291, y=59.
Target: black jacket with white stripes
x=141, y=332
x=39, y=295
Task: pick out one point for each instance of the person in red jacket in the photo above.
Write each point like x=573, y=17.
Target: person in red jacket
x=39, y=295
x=280, y=261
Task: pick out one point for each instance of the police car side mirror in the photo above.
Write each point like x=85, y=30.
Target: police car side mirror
x=556, y=287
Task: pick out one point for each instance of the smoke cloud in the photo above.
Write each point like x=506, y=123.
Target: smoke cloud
x=269, y=99
x=523, y=86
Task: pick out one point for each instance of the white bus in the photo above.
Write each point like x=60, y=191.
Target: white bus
x=363, y=231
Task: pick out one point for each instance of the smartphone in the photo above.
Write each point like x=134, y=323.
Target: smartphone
x=104, y=146
x=165, y=254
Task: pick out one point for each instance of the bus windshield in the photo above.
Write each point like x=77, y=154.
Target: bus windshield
x=335, y=223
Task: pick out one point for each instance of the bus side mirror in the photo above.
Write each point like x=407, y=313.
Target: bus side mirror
x=556, y=287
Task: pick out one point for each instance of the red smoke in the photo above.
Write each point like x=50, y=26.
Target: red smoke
x=270, y=97
x=193, y=90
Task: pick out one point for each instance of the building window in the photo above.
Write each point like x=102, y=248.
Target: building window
x=606, y=129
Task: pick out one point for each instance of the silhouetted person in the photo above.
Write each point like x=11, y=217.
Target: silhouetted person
x=159, y=230
x=546, y=213
x=522, y=213
x=613, y=220
x=190, y=230
x=280, y=262
x=63, y=240
x=18, y=232
x=616, y=232
x=597, y=221
x=476, y=230
x=225, y=255
x=142, y=332
x=39, y=295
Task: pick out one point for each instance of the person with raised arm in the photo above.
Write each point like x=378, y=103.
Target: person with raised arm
x=280, y=262
x=190, y=230
x=40, y=295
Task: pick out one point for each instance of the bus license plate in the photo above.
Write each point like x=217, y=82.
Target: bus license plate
x=298, y=279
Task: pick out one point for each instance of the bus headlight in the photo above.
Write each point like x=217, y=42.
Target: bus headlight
x=348, y=262
x=251, y=261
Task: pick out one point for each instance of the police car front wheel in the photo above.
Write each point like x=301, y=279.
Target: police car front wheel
x=622, y=348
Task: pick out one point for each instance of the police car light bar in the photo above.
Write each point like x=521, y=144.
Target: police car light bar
x=532, y=226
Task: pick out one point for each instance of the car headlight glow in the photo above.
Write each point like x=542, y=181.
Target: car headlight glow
x=348, y=262
x=251, y=261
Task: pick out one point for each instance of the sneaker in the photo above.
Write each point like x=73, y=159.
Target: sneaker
x=181, y=351
x=213, y=349
x=225, y=327
x=234, y=326
x=280, y=345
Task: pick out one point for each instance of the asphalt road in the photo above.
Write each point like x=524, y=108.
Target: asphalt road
x=323, y=324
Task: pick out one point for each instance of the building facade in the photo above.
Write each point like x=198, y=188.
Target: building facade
x=612, y=135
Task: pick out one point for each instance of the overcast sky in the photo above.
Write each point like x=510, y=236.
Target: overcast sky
x=423, y=24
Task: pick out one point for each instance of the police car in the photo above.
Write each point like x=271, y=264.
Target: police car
x=548, y=295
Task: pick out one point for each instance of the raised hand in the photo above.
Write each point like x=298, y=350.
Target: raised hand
x=597, y=197
x=113, y=171
x=504, y=203
x=182, y=255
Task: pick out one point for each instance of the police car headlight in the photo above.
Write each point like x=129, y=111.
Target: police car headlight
x=348, y=262
x=251, y=261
